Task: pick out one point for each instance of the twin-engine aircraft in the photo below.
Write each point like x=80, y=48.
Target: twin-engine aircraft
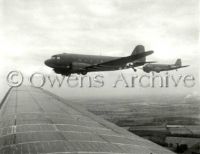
x=66, y=64
x=163, y=67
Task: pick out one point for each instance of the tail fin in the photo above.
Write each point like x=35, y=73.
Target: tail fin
x=178, y=62
x=139, y=49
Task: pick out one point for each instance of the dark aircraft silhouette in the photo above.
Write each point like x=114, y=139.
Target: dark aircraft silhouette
x=67, y=64
x=163, y=67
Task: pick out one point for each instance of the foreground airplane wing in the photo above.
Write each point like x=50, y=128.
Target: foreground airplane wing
x=34, y=121
x=117, y=63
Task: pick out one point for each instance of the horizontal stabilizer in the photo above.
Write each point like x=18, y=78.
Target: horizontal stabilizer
x=185, y=66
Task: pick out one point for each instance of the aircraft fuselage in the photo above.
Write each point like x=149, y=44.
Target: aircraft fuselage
x=71, y=63
x=159, y=67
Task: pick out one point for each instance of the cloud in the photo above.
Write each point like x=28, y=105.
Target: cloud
x=89, y=24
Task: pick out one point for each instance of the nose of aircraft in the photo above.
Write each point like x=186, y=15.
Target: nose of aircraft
x=48, y=62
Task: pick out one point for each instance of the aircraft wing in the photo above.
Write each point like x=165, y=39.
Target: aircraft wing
x=136, y=64
x=117, y=63
x=35, y=121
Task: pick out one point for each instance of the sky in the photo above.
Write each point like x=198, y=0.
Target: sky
x=33, y=30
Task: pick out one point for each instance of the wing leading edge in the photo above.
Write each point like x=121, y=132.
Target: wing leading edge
x=36, y=121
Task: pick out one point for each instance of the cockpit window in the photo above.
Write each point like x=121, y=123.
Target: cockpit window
x=55, y=57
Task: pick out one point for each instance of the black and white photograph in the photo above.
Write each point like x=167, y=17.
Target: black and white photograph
x=99, y=77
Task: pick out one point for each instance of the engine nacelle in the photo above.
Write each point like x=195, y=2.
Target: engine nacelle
x=78, y=66
x=59, y=71
x=157, y=69
x=62, y=71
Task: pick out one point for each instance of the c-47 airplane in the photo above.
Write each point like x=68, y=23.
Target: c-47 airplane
x=163, y=67
x=67, y=64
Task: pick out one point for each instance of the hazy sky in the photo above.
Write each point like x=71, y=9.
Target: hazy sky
x=33, y=30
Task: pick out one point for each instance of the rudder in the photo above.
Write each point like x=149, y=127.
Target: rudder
x=139, y=49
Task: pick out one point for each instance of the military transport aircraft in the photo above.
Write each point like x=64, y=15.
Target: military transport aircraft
x=67, y=64
x=163, y=67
